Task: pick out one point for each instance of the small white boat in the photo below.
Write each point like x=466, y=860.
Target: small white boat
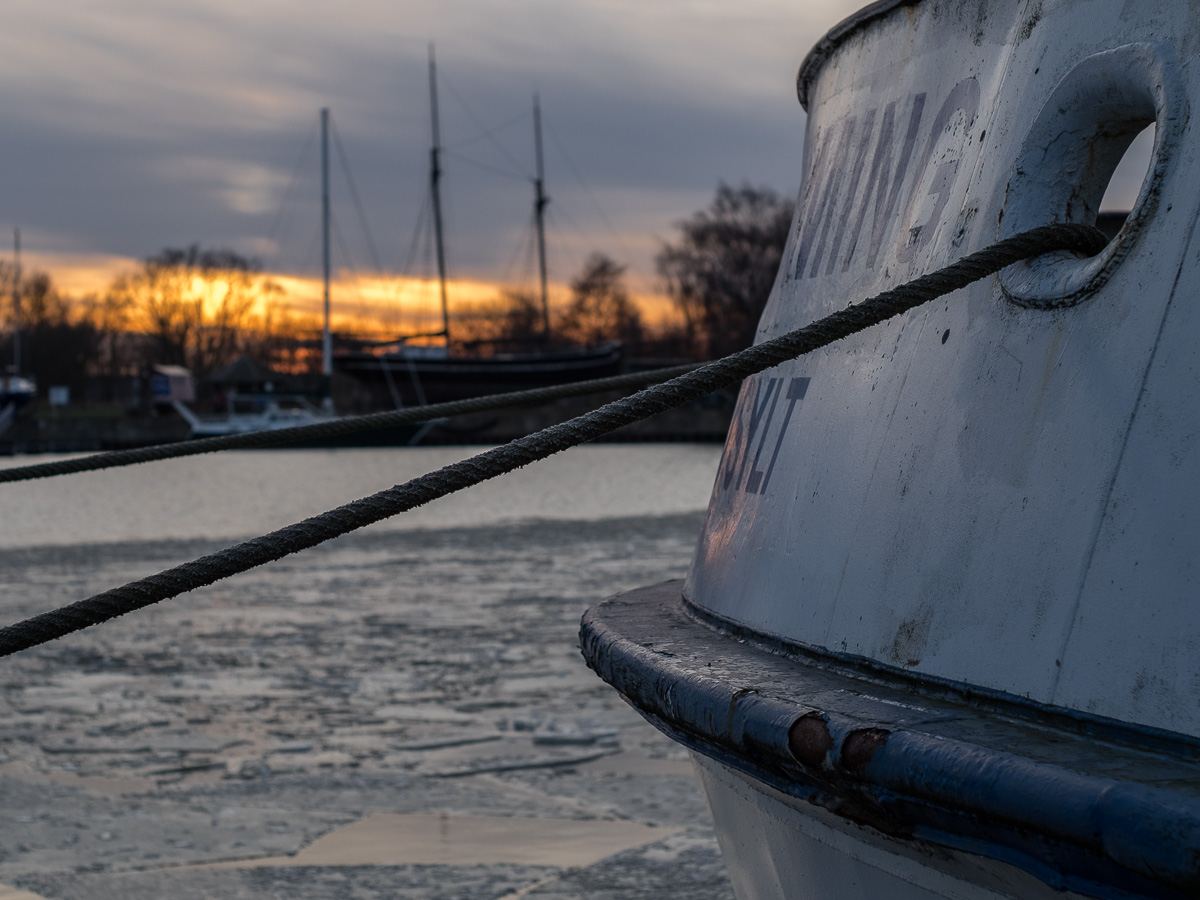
x=941, y=636
x=16, y=390
x=270, y=415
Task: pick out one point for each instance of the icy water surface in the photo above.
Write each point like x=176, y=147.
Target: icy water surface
x=240, y=494
x=402, y=712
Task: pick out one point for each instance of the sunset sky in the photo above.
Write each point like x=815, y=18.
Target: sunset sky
x=133, y=125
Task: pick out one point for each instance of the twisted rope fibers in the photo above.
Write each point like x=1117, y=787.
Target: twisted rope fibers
x=650, y=401
x=338, y=427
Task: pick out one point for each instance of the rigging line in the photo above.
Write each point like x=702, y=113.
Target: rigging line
x=418, y=232
x=362, y=215
x=296, y=169
x=518, y=253
x=429, y=294
x=556, y=217
x=311, y=253
x=482, y=128
x=427, y=250
x=559, y=215
x=355, y=277
x=527, y=276
x=396, y=287
x=450, y=479
x=486, y=167
x=586, y=189
x=341, y=242
x=405, y=279
x=516, y=120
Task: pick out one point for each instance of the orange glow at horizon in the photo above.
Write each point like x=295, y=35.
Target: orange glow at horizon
x=364, y=305
x=414, y=304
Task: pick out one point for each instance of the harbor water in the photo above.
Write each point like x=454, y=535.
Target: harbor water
x=400, y=712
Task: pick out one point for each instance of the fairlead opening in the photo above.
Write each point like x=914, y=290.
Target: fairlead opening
x=1100, y=146
x=1122, y=191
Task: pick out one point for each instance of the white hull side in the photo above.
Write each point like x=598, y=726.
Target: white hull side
x=998, y=488
x=777, y=848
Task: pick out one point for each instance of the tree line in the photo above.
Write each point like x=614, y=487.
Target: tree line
x=718, y=274
x=202, y=308
x=184, y=306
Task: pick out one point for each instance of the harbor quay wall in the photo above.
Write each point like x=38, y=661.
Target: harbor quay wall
x=72, y=434
x=705, y=420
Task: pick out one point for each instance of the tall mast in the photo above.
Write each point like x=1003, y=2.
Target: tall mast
x=435, y=177
x=16, y=301
x=539, y=210
x=326, y=338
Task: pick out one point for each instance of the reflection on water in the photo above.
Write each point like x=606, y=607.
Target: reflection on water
x=236, y=495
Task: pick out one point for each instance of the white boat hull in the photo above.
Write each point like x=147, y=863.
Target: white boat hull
x=818, y=764
x=964, y=542
x=776, y=847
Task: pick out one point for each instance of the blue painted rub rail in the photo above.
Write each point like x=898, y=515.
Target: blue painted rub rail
x=1107, y=810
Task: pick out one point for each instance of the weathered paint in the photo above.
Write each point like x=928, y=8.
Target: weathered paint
x=999, y=489
x=827, y=782
x=940, y=635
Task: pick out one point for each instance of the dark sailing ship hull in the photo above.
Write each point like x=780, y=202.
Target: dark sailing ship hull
x=418, y=380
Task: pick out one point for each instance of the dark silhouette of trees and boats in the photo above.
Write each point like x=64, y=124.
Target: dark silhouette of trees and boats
x=720, y=271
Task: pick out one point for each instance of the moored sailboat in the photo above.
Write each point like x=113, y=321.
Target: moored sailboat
x=419, y=373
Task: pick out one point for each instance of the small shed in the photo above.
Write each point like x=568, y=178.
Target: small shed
x=171, y=383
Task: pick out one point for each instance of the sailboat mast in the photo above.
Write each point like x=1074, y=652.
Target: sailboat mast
x=16, y=301
x=326, y=338
x=539, y=210
x=435, y=177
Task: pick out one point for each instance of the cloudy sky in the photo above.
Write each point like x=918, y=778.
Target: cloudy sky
x=131, y=125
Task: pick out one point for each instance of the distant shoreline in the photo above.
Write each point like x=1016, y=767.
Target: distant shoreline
x=698, y=422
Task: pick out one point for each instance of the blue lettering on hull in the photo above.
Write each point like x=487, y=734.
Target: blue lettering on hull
x=739, y=469
x=834, y=212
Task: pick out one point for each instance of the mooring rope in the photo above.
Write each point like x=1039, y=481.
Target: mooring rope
x=341, y=426
x=650, y=401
